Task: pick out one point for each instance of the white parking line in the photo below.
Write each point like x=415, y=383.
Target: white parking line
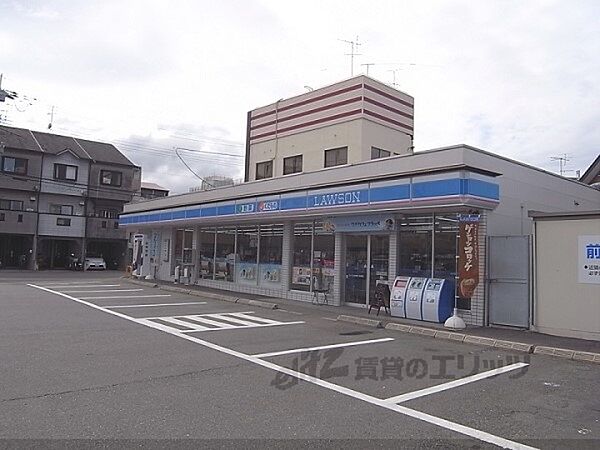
x=86, y=286
x=443, y=423
x=104, y=290
x=322, y=347
x=452, y=384
x=126, y=296
x=153, y=304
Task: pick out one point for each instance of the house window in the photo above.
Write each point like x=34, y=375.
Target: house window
x=104, y=224
x=110, y=178
x=20, y=218
x=65, y=172
x=66, y=210
x=14, y=165
x=377, y=153
x=2, y=217
x=293, y=164
x=108, y=213
x=264, y=170
x=336, y=156
x=13, y=205
x=116, y=225
x=62, y=222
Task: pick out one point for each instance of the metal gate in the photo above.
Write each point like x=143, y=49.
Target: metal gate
x=508, y=288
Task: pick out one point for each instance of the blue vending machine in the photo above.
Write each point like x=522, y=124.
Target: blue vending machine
x=414, y=298
x=398, y=297
x=438, y=300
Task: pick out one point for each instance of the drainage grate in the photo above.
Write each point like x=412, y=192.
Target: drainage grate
x=355, y=333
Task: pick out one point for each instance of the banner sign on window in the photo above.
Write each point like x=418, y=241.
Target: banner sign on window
x=359, y=223
x=468, y=254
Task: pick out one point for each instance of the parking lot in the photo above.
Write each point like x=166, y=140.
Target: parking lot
x=96, y=357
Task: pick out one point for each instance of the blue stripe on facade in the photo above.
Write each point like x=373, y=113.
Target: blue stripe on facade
x=192, y=213
x=293, y=203
x=483, y=189
x=345, y=197
x=209, y=212
x=225, y=210
x=389, y=193
x=436, y=188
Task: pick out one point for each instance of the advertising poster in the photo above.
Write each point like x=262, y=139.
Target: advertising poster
x=589, y=259
x=468, y=255
x=301, y=275
x=270, y=274
x=246, y=273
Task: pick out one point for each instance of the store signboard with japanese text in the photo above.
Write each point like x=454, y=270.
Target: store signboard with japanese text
x=468, y=254
x=359, y=223
x=589, y=259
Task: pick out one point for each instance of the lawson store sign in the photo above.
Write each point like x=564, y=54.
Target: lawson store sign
x=409, y=191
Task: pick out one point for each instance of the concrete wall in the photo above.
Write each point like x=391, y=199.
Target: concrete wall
x=562, y=305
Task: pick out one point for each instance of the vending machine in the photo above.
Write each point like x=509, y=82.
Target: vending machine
x=141, y=261
x=398, y=297
x=438, y=300
x=414, y=298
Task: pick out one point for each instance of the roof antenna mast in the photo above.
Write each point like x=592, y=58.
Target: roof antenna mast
x=353, y=47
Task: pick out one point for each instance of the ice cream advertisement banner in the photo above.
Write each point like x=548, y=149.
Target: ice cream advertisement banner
x=468, y=255
x=589, y=259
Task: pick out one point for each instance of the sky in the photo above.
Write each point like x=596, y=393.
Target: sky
x=517, y=78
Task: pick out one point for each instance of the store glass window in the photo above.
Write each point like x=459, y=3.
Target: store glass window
x=414, y=246
x=206, y=253
x=446, y=229
x=247, y=253
x=301, y=260
x=323, y=258
x=271, y=244
x=225, y=258
x=183, y=247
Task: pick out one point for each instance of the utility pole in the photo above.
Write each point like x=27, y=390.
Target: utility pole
x=353, y=46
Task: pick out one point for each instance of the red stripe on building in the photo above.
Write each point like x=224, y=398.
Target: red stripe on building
x=389, y=108
x=307, y=124
x=310, y=100
x=306, y=113
x=387, y=119
x=391, y=97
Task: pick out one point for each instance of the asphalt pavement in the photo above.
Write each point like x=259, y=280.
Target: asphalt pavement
x=89, y=359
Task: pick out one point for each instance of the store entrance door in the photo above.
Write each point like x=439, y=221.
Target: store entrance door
x=356, y=269
x=367, y=260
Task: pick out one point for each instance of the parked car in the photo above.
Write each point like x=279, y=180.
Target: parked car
x=94, y=263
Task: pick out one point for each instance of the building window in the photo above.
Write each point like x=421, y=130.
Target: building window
x=225, y=254
x=65, y=172
x=104, y=224
x=20, y=218
x=116, y=225
x=206, y=253
x=110, y=178
x=293, y=164
x=247, y=253
x=66, y=210
x=63, y=222
x=2, y=217
x=264, y=170
x=107, y=214
x=14, y=165
x=270, y=251
x=13, y=205
x=336, y=156
x=377, y=153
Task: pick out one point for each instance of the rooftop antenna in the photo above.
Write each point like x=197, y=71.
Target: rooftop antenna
x=394, y=76
x=367, y=65
x=51, y=114
x=353, y=46
x=562, y=161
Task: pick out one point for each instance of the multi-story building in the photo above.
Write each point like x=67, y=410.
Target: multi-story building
x=355, y=120
x=153, y=190
x=61, y=196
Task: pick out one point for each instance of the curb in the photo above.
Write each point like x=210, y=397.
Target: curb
x=211, y=295
x=360, y=321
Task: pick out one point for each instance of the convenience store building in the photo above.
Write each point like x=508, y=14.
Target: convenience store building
x=335, y=198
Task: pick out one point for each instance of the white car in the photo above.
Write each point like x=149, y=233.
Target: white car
x=92, y=263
